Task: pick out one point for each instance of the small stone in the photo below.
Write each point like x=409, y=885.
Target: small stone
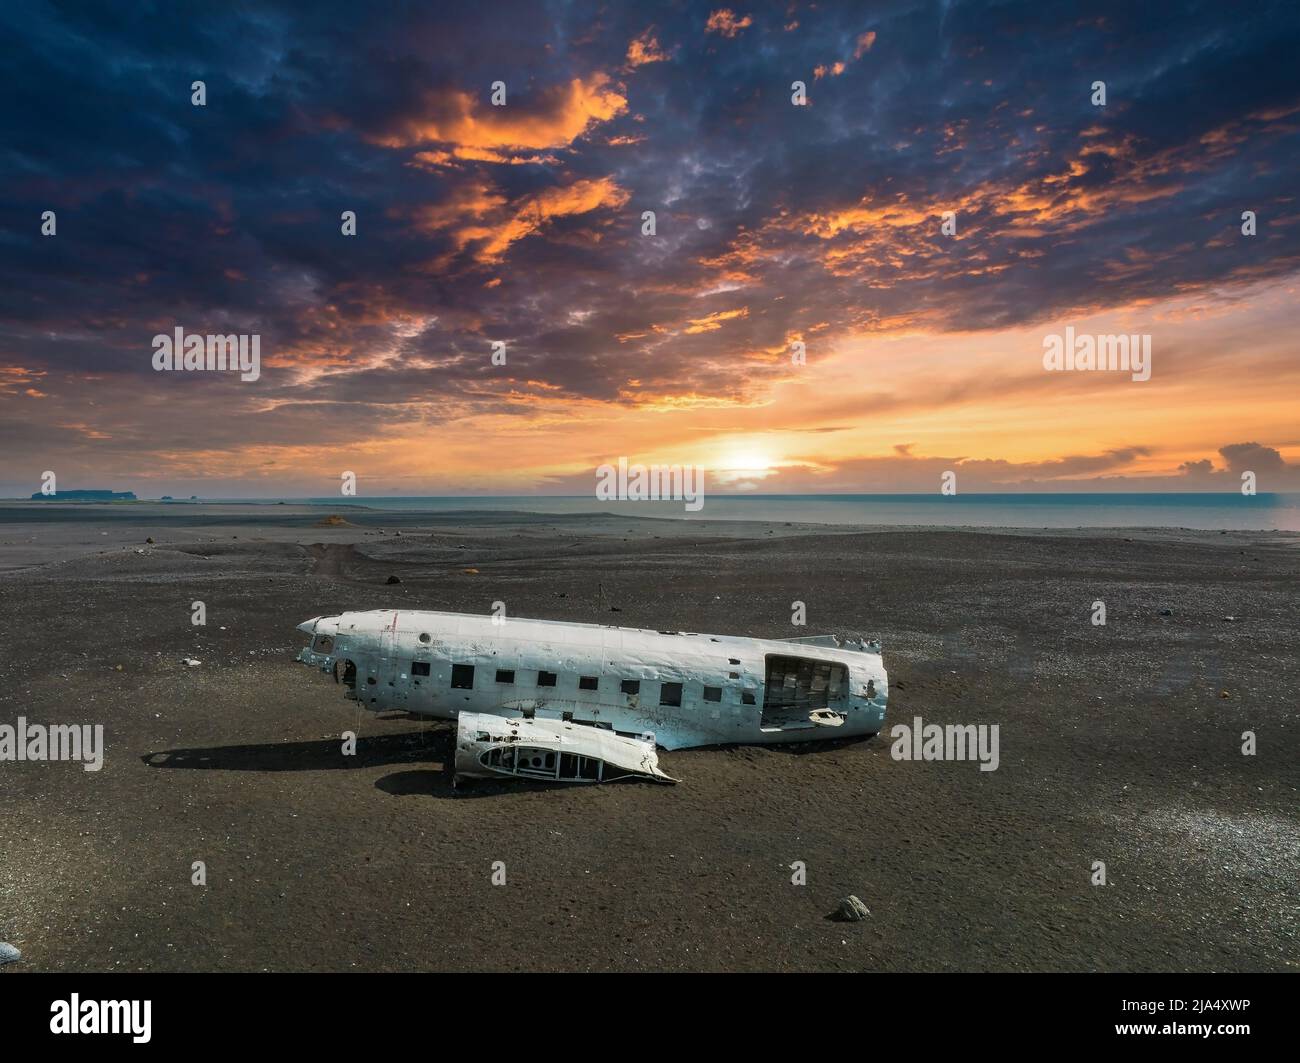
x=851, y=910
x=1166, y=612
x=192, y=662
x=393, y=579
x=8, y=954
x=149, y=539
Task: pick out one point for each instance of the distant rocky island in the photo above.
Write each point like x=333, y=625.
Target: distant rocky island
x=86, y=496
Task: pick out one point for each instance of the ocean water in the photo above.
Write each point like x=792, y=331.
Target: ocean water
x=1207, y=511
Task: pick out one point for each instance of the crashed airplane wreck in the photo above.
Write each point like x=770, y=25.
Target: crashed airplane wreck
x=598, y=693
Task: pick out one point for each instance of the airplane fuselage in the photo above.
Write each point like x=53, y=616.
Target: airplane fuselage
x=688, y=689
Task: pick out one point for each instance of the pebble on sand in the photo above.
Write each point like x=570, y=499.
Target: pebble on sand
x=8, y=954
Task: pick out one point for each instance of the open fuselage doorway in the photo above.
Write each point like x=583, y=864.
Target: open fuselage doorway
x=796, y=687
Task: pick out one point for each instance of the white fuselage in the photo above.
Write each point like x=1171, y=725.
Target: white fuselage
x=688, y=689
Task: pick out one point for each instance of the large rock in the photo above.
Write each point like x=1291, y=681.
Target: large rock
x=851, y=910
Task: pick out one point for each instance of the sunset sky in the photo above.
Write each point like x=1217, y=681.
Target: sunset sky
x=776, y=224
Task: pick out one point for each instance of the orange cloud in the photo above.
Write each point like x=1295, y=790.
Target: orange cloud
x=86, y=431
x=14, y=378
x=462, y=154
x=864, y=44
x=473, y=199
x=644, y=49
x=504, y=225
x=866, y=238
x=557, y=118
x=724, y=21
x=864, y=216
x=713, y=322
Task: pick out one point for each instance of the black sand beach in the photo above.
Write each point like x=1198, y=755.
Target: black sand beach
x=1119, y=744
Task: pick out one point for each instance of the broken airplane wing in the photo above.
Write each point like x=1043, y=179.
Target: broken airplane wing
x=490, y=746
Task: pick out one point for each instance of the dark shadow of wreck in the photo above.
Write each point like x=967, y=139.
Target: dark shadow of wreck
x=323, y=755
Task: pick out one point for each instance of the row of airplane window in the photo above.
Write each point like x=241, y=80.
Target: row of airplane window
x=670, y=694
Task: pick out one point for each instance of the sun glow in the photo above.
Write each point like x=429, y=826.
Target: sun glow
x=742, y=465
x=748, y=461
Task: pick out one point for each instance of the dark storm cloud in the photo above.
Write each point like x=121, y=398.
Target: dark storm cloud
x=523, y=224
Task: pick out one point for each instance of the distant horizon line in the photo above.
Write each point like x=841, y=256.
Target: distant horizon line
x=355, y=499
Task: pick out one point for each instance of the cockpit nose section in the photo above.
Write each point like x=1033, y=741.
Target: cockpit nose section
x=320, y=650
x=320, y=625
